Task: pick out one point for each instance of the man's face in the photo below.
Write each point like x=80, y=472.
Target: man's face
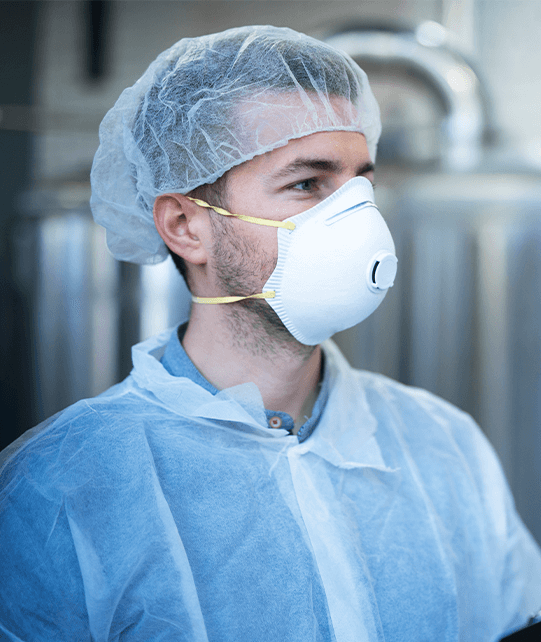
x=278, y=185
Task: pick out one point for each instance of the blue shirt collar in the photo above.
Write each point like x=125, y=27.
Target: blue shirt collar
x=178, y=363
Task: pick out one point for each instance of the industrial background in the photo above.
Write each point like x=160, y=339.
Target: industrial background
x=458, y=180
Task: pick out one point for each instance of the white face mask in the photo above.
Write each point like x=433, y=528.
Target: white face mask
x=336, y=262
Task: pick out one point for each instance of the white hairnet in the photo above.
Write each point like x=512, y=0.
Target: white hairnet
x=208, y=104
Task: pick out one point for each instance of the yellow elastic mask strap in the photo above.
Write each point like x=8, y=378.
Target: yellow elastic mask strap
x=288, y=225
x=233, y=299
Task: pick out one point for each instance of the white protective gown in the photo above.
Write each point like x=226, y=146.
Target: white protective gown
x=160, y=511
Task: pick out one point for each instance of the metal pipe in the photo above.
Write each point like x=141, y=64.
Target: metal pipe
x=425, y=50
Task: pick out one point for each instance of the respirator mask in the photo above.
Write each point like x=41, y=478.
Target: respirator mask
x=336, y=262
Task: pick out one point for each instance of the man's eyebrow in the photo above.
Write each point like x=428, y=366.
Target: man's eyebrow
x=367, y=167
x=301, y=164
x=318, y=164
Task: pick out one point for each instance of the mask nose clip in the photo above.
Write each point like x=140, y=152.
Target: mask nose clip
x=382, y=271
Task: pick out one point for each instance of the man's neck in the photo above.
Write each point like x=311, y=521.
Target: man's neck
x=228, y=354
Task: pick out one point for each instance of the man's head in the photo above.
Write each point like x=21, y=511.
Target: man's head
x=209, y=104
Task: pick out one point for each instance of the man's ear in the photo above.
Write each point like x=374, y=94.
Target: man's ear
x=183, y=227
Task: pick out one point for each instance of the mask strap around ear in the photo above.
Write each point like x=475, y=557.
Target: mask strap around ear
x=288, y=225
x=233, y=299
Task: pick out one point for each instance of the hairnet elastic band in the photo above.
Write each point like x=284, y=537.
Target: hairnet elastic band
x=233, y=299
x=288, y=225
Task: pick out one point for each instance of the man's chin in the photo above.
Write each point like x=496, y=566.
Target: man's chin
x=256, y=326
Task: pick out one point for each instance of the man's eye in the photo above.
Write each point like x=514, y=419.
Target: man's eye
x=305, y=186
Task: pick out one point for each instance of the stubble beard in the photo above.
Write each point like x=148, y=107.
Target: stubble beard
x=242, y=268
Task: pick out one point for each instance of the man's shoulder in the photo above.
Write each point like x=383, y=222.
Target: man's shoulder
x=396, y=407
x=89, y=432
x=421, y=418
x=381, y=390
x=408, y=397
x=427, y=426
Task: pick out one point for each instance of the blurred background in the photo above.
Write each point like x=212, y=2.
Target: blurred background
x=458, y=180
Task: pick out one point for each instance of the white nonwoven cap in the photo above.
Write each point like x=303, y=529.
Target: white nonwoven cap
x=208, y=104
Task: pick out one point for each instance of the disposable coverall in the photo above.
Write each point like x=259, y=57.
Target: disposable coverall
x=166, y=510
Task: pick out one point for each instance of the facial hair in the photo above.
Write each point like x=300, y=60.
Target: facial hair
x=242, y=268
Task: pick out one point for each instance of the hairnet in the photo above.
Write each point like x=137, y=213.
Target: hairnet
x=208, y=104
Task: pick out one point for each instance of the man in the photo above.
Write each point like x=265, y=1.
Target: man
x=244, y=483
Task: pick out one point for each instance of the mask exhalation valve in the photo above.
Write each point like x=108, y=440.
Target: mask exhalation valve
x=383, y=272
